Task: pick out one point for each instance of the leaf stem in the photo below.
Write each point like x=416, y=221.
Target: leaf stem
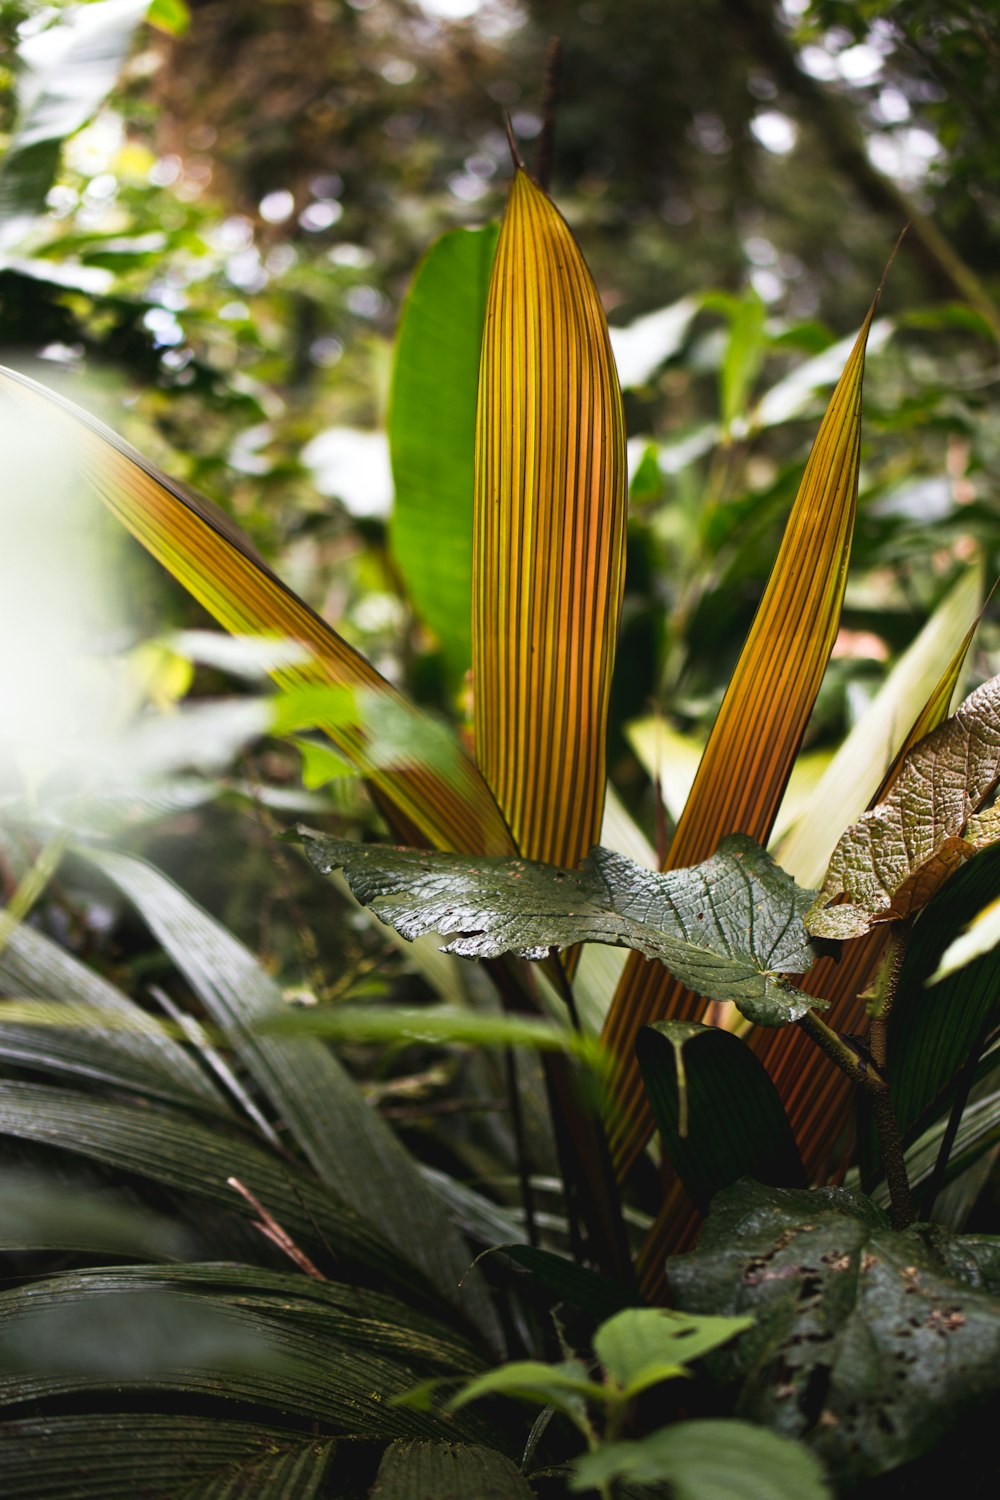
x=868, y=1076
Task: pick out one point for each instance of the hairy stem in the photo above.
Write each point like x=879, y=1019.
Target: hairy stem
x=868, y=1076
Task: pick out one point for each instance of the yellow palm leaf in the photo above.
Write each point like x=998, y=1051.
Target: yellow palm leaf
x=549, y=535
x=433, y=791
x=749, y=755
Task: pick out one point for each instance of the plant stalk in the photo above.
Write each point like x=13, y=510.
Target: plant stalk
x=869, y=1077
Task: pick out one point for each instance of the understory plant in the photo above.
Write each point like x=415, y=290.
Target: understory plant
x=255, y=1286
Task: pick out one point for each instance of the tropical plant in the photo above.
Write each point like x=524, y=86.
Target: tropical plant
x=215, y=1152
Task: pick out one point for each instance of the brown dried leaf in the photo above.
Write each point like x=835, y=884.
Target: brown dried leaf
x=890, y=863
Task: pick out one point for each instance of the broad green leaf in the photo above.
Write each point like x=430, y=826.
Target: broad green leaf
x=748, y=760
x=120, y=1455
x=69, y=68
x=549, y=534
x=890, y=863
x=859, y=766
x=709, y=1460
x=600, y=968
x=417, y=1470
x=347, y=1142
x=717, y=1110
x=448, y=804
x=872, y=1342
x=641, y=1346
x=980, y=936
x=729, y=928
x=565, y=1386
x=432, y=435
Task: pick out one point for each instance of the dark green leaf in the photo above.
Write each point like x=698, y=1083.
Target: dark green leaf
x=592, y=1293
x=866, y=1340
x=342, y=1313
x=716, y=1109
x=135, y=1052
x=121, y=1456
x=711, y=1460
x=729, y=928
x=416, y=1470
x=232, y=1350
x=934, y=1030
x=432, y=435
x=192, y=1158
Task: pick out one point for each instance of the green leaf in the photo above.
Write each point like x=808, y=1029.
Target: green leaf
x=709, y=1460
x=343, y=1313
x=716, y=1108
x=416, y=1470
x=744, y=355
x=193, y=1158
x=269, y=1353
x=566, y=1386
x=348, y=1144
x=980, y=936
x=432, y=435
x=890, y=863
x=428, y=1023
x=728, y=928
x=171, y=16
x=641, y=1346
x=935, y=1031
x=866, y=1340
x=69, y=69
x=118, y=1336
x=594, y=1294
x=120, y=1455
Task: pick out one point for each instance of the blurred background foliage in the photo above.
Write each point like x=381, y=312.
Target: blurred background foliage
x=218, y=269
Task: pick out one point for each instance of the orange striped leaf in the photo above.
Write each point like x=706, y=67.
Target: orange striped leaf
x=441, y=796
x=817, y=1096
x=749, y=755
x=549, y=534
